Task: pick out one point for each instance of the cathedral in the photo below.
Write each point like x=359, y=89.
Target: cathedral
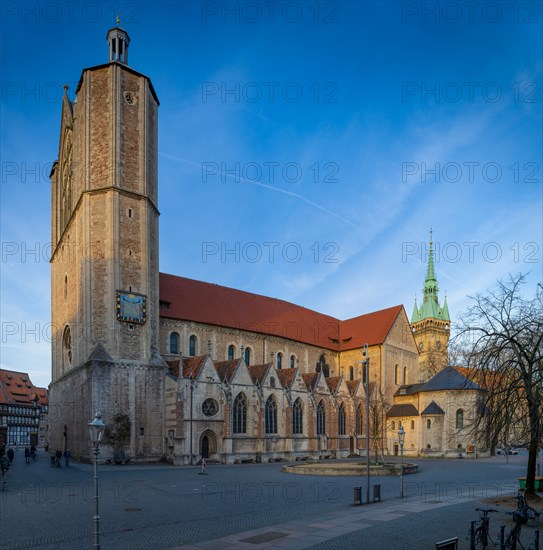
x=206, y=371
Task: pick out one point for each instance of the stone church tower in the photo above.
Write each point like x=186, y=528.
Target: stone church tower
x=104, y=265
x=431, y=325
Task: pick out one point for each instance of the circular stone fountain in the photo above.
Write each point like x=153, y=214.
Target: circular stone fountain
x=349, y=469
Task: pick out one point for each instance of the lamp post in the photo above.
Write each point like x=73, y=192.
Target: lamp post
x=192, y=383
x=401, y=439
x=96, y=431
x=366, y=366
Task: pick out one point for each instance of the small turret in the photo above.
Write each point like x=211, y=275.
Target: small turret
x=118, y=41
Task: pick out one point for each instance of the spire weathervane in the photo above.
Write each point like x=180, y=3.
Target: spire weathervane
x=118, y=19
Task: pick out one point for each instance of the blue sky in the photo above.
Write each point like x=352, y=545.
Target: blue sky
x=316, y=131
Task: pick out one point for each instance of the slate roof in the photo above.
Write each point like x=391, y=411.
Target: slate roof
x=405, y=409
x=197, y=301
x=447, y=379
x=433, y=408
x=17, y=389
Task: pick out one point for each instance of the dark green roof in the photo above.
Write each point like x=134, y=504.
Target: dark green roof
x=430, y=308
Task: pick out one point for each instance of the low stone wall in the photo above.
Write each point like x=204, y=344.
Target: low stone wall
x=348, y=469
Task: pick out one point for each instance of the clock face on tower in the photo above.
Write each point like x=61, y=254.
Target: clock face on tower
x=131, y=307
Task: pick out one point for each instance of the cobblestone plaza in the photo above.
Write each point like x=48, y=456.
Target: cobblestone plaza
x=248, y=506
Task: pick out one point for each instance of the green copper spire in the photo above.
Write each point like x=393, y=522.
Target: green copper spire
x=430, y=308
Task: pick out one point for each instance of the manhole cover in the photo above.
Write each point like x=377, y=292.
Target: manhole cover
x=133, y=509
x=264, y=537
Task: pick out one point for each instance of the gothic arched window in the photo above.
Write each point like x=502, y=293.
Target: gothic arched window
x=351, y=373
x=341, y=420
x=393, y=425
x=271, y=415
x=279, y=360
x=359, y=420
x=292, y=361
x=396, y=375
x=428, y=424
x=239, y=414
x=231, y=352
x=192, y=345
x=321, y=419
x=404, y=382
x=459, y=419
x=248, y=356
x=174, y=342
x=297, y=417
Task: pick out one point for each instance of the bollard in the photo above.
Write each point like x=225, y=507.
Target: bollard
x=357, y=495
x=472, y=535
x=377, y=492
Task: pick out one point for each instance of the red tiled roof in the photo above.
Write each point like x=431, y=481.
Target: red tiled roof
x=192, y=300
x=174, y=366
x=193, y=365
x=16, y=388
x=333, y=382
x=226, y=369
x=352, y=385
x=286, y=376
x=371, y=328
x=258, y=372
x=310, y=379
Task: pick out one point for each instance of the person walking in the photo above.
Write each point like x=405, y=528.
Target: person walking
x=67, y=455
x=11, y=455
x=27, y=455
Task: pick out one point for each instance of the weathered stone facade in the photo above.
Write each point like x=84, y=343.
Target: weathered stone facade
x=256, y=379
x=105, y=240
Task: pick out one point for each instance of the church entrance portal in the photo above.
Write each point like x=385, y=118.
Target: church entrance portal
x=208, y=444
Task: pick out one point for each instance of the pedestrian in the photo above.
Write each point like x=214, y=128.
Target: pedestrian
x=27, y=455
x=11, y=455
x=33, y=452
x=67, y=455
x=58, y=456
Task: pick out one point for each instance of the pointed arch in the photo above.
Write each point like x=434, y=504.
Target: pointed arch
x=298, y=417
x=271, y=415
x=341, y=420
x=239, y=414
x=321, y=418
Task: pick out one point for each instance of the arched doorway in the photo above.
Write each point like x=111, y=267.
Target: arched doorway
x=396, y=449
x=352, y=444
x=208, y=444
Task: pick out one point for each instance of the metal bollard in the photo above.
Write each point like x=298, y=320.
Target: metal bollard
x=357, y=495
x=472, y=535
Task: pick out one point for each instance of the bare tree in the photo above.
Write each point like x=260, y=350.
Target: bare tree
x=503, y=332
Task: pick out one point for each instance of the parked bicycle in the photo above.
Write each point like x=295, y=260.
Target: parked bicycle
x=525, y=513
x=479, y=532
x=512, y=542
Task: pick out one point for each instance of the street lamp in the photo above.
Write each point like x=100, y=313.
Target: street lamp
x=96, y=431
x=366, y=366
x=401, y=439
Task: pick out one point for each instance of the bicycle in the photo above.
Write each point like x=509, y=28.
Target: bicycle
x=527, y=514
x=479, y=532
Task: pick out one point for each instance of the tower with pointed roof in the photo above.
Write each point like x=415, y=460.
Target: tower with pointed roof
x=104, y=265
x=431, y=324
